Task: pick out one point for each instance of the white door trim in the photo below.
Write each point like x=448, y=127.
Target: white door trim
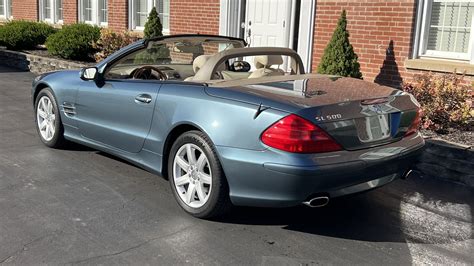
x=306, y=33
x=229, y=17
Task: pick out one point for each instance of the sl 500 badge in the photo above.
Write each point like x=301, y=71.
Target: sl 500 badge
x=328, y=117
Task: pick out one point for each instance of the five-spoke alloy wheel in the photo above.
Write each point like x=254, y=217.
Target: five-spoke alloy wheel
x=45, y=118
x=196, y=176
x=48, y=120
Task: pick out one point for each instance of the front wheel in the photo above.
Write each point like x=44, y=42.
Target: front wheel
x=196, y=176
x=48, y=119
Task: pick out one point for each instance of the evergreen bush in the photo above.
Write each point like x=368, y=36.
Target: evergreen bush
x=339, y=57
x=23, y=35
x=74, y=42
x=153, y=27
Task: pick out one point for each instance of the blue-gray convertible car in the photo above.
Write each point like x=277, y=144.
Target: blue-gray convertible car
x=232, y=125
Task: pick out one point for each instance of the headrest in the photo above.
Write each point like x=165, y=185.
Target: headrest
x=199, y=62
x=264, y=61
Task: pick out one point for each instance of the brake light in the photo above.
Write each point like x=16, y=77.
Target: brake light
x=295, y=134
x=415, y=124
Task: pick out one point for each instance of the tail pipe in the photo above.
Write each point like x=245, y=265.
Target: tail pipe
x=317, y=202
x=406, y=174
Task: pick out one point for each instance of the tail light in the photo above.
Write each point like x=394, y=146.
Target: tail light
x=415, y=124
x=295, y=134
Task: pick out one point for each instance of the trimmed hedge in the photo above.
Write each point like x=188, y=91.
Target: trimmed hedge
x=74, y=42
x=22, y=35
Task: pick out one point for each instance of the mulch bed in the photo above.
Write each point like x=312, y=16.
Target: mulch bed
x=457, y=136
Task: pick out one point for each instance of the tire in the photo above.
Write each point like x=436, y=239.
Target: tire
x=209, y=196
x=48, y=119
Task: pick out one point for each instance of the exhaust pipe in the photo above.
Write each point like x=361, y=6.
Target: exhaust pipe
x=407, y=174
x=317, y=202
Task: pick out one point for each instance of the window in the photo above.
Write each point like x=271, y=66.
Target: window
x=163, y=8
x=2, y=8
x=59, y=10
x=139, y=10
x=5, y=9
x=94, y=12
x=51, y=11
x=447, y=30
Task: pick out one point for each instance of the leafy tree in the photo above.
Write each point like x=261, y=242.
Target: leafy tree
x=339, y=57
x=153, y=27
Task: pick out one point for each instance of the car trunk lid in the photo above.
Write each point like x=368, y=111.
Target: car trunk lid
x=356, y=113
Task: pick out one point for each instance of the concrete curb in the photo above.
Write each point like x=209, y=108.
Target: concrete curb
x=448, y=161
x=35, y=63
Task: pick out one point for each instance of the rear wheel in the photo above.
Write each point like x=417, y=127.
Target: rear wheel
x=196, y=177
x=48, y=120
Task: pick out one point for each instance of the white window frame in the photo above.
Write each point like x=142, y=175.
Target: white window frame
x=6, y=10
x=95, y=13
x=166, y=31
x=421, y=42
x=150, y=5
x=53, y=16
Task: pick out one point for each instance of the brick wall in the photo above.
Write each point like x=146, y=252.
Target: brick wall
x=118, y=14
x=70, y=14
x=380, y=31
x=25, y=9
x=194, y=16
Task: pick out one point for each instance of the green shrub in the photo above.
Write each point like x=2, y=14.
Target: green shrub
x=339, y=57
x=158, y=54
x=21, y=35
x=445, y=100
x=110, y=42
x=74, y=42
x=153, y=27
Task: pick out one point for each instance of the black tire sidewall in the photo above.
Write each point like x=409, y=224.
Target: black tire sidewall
x=58, y=134
x=219, y=188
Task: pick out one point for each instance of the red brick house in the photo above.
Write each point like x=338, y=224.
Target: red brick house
x=394, y=39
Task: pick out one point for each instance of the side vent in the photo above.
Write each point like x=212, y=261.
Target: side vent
x=69, y=109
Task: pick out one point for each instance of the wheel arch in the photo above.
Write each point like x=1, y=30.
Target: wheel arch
x=174, y=133
x=39, y=87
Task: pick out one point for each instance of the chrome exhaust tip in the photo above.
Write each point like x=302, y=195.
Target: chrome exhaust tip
x=317, y=202
x=407, y=174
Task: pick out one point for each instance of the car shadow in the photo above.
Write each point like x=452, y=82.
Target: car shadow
x=399, y=212
x=73, y=146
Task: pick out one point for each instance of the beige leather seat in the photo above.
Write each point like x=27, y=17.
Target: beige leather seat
x=263, y=64
x=197, y=64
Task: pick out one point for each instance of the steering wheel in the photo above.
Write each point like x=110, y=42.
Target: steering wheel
x=146, y=72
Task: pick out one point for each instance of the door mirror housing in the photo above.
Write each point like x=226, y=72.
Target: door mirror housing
x=240, y=66
x=89, y=73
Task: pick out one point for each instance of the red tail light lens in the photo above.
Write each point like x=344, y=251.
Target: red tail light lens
x=295, y=134
x=415, y=124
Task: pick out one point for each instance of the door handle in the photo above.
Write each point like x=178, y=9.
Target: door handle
x=143, y=98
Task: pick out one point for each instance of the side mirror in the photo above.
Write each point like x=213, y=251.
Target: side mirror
x=240, y=66
x=89, y=73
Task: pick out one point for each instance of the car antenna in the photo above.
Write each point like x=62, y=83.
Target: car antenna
x=260, y=109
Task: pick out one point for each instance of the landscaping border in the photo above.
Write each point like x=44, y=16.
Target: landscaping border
x=35, y=63
x=448, y=161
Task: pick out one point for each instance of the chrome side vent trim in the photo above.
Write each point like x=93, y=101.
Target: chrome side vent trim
x=69, y=109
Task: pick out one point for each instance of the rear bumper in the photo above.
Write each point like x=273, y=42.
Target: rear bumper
x=272, y=178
